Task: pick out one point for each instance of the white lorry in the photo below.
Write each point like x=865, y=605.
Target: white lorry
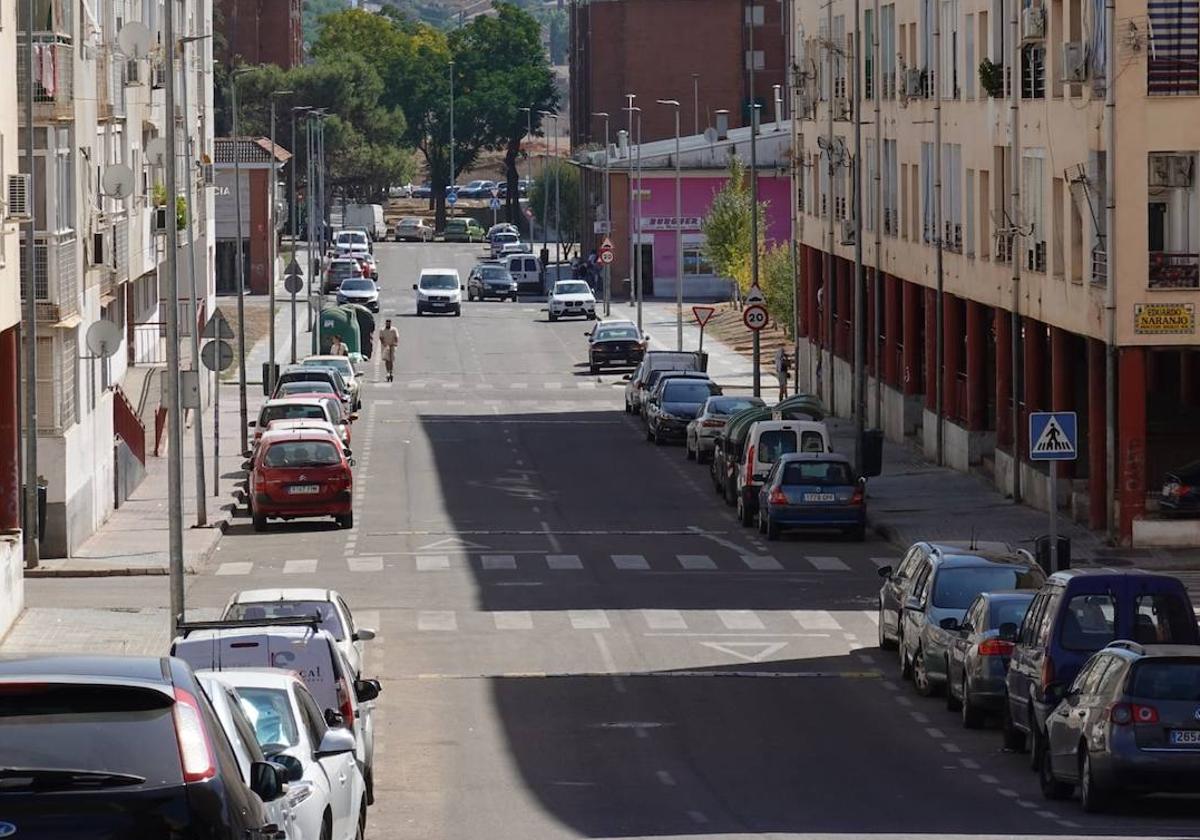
x=368, y=217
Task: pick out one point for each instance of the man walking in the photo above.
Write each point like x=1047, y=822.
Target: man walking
x=388, y=339
x=783, y=366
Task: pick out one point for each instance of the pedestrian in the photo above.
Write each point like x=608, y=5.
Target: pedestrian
x=337, y=347
x=388, y=339
x=783, y=366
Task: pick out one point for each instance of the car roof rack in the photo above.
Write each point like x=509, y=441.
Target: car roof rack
x=186, y=627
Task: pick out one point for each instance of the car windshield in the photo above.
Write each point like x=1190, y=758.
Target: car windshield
x=687, y=391
x=1171, y=679
x=1008, y=611
x=573, y=288
x=455, y=224
x=410, y=223
x=617, y=334
x=341, y=365
x=302, y=453
x=322, y=610
x=358, y=286
x=772, y=444
x=732, y=405
x=830, y=473
x=505, y=237
x=494, y=274
x=352, y=237
x=955, y=589
x=291, y=411
x=439, y=281
x=270, y=713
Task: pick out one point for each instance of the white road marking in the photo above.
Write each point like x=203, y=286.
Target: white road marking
x=299, y=567
x=564, y=561
x=919, y=717
x=552, y=386
x=610, y=664
x=235, y=568
x=630, y=562
x=951, y=748
x=517, y=620
x=816, y=620
x=588, y=619
x=696, y=562
x=432, y=562
x=740, y=620
x=494, y=562
x=828, y=564
x=664, y=619
x=518, y=386
x=903, y=701
x=365, y=564
x=761, y=562
x=747, y=651
x=934, y=732
x=1011, y=794
x=987, y=779
x=665, y=778
x=872, y=616
x=437, y=620
x=969, y=763
x=582, y=385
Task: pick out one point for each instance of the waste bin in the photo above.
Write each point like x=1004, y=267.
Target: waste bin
x=1041, y=552
x=871, y=453
x=267, y=379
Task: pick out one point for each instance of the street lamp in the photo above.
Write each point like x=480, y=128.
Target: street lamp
x=451, y=134
x=633, y=252
x=674, y=103
x=528, y=157
x=607, y=218
x=241, y=267
x=549, y=115
x=273, y=246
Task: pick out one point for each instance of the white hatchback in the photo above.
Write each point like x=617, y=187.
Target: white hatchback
x=571, y=297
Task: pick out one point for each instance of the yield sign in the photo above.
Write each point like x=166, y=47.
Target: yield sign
x=747, y=651
x=217, y=326
x=606, y=245
x=703, y=313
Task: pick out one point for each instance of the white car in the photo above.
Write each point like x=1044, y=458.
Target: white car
x=338, y=432
x=287, y=724
x=351, y=241
x=360, y=290
x=571, y=297
x=439, y=290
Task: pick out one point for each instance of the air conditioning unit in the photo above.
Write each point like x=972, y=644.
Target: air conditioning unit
x=17, y=209
x=1075, y=67
x=158, y=221
x=1033, y=23
x=847, y=231
x=914, y=83
x=208, y=174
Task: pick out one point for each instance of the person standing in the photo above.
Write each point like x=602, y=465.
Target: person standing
x=337, y=347
x=783, y=366
x=388, y=339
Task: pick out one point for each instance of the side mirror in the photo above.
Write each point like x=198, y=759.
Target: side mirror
x=414, y=287
x=367, y=690
x=885, y=572
x=352, y=462
x=334, y=719
x=1057, y=691
x=966, y=628
x=293, y=770
x=1008, y=631
x=913, y=603
x=347, y=452
x=364, y=634
x=335, y=742
x=248, y=453
x=626, y=377
x=266, y=780
x=252, y=423
x=862, y=481
x=950, y=623
x=462, y=288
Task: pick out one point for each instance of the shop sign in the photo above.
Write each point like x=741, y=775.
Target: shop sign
x=668, y=222
x=1164, y=318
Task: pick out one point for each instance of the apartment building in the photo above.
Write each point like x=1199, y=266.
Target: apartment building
x=99, y=164
x=1021, y=236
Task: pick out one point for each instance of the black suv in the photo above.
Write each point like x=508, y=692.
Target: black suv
x=120, y=747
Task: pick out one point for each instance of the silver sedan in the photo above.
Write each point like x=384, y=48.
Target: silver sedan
x=703, y=431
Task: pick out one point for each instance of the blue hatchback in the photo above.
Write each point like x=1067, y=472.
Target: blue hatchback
x=812, y=490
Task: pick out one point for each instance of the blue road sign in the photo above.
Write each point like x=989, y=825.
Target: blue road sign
x=1053, y=436
x=452, y=198
x=495, y=204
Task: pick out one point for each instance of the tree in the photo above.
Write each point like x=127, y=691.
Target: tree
x=779, y=285
x=542, y=203
x=727, y=228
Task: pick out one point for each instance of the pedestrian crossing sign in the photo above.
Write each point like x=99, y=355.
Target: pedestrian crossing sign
x=1052, y=436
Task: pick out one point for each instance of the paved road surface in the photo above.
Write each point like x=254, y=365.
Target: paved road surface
x=578, y=640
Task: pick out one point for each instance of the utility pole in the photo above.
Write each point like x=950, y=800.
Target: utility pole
x=1014, y=151
x=1110, y=265
x=756, y=341
x=938, y=238
x=174, y=414
x=696, y=102
x=243, y=414
x=273, y=245
x=877, y=222
x=860, y=292
x=557, y=197
x=607, y=219
x=830, y=284
x=314, y=253
x=528, y=159
x=31, y=523
x=633, y=248
x=451, y=184
x=293, y=219
x=678, y=232
x=637, y=230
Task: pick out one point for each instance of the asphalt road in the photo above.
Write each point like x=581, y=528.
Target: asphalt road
x=578, y=640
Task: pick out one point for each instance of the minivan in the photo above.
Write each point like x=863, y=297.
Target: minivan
x=1074, y=615
x=526, y=269
x=766, y=441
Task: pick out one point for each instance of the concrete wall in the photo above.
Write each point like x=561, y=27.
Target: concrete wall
x=12, y=582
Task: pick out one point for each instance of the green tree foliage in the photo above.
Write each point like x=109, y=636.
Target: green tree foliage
x=727, y=228
x=778, y=283
x=541, y=200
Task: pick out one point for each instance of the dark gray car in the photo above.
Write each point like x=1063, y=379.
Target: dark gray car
x=980, y=652
x=1128, y=722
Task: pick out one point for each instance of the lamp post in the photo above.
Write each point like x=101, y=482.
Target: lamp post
x=756, y=341
x=273, y=245
x=548, y=115
x=629, y=180
x=451, y=184
x=174, y=412
x=528, y=159
x=320, y=115
x=557, y=198
x=293, y=219
x=243, y=417
x=695, y=103
x=607, y=218
x=674, y=103
x=638, y=222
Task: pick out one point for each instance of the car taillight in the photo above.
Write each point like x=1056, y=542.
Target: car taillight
x=195, y=751
x=1181, y=490
x=1123, y=714
x=995, y=647
x=778, y=497
x=346, y=707
x=750, y=465
x=1047, y=670
x=712, y=424
x=857, y=497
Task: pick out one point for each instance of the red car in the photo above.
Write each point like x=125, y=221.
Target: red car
x=300, y=473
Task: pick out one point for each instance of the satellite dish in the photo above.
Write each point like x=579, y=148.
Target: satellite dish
x=135, y=39
x=117, y=181
x=156, y=151
x=710, y=134
x=103, y=338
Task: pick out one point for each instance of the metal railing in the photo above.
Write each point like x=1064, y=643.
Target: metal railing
x=1099, y=266
x=1173, y=270
x=55, y=278
x=53, y=77
x=127, y=425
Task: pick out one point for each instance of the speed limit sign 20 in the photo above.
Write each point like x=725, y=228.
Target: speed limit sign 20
x=754, y=316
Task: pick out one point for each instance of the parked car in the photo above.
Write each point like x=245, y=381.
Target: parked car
x=1075, y=614
x=637, y=382
x=296, y=645
x=288, y=408
x=341, y=418
x=979, y=654
x=477, y=189
x=498, y=240
x=325, y=605
x=350, y=240
x=338, y=271
x=1180, y=494
x=317, y=373
x=422, y=190
x=119, y=747
x=368, y=217
x=316, y=425
x=614, y=344
x=502, y=227
x=655, y=378
x=571, y=298
x=299, y=474
x=370, y=268
x=526, y=269
x=808, y=490
x=328, y=797
x=707, y=425
x=439, y=290
x=413, y=229
x=359, y=290
x=463, y=229
x=675, y=403
x=1126, y=724
x=490, y=280
x=765, y=442
x=345, y=369
x=303, y=388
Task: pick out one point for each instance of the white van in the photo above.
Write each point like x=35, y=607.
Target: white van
x=767, y=440
x=526, y=269
x=369, y=217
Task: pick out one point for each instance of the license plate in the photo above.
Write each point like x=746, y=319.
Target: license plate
x=1185, y=736
x=819, y=497
x=304, y=489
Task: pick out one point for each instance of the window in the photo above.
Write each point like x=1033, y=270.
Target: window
x=64, y=181
x=952, y=198
x=839, y=57
x=1174, y=679
x=927, y=194
x=329, y=619
x=817, y=472
x=1033, y=210
x=949, y=59
x=927, y=12
x=887, y=49
x=759, y=59
x=1033, y=72
x=969, y=224
x=1172, y=68
x=955, y=588
x=868, y=50
x=971, y=68
x=869, y=187
x=923, y=582
x=695, y=264
x=1007, y=611
x=1162, y=618
x=310, y=714
x=891, y=177
x=909, y=562
x=243, y=731
x=1089, y=622
x=754, y=15
x=812, y=442
x=840, y=199
x=1033, y=617
x=772, y=444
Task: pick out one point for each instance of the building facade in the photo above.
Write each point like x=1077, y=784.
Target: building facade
x=262, y=32
x=261, y=216
x=99, y=165
x=1026, y=310
x=699, y=52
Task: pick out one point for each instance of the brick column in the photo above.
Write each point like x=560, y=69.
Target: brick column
x=952, y=331
x=910, y=374
x=10, y=442
x=1097, y=464
x=893, y=318
x=929, y=380
x=1131, y=445
x=1062, y=398
x=977, y=326
x=1035, y=366
x=1002, y=322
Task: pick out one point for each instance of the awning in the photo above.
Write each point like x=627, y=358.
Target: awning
x=68, y=323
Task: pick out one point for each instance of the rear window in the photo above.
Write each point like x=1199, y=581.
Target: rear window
x=1088, y=622
x=322, y=610
x=955, y=589
x=270, y=713
x=772, y=444
x=343, y=269
x=342, y=366
x=617, y=333
x=98, y=728
x=1007, y=611
x=817, y=472
x=732, y=405
x=688, y=392
x=1173, y=679
x=320, y=387
x=302, y=453
x=1163, y=618
x=271, y=413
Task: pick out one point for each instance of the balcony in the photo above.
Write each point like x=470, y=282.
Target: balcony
x=55, y=281
x=1174, y=270
x=53, y=78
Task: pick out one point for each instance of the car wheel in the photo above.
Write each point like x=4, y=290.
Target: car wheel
x=743, y=512
x=920, y=673
x=327, y=827
x=1014, y=739
x=772, y=530
x=1092, y=798
x=884, y=642
x=458, y=310
x=420, y=310
x=360, y=831
x=688, y=452
x=369, y=781
x=513, y=298
x=906, y=671
x=702, y=457
x=658, y=438
x=260, y=522
x=346, y=522
x=953, y=703
x=1052, y=788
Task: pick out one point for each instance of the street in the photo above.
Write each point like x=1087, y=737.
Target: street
x=577, y=638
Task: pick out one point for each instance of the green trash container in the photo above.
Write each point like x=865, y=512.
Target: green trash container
x=338, y=320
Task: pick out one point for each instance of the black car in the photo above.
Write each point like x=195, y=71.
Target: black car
x=121, y=747
x=1181, y=491
x=674, y=403
x=491, y=280
x=620, y=344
